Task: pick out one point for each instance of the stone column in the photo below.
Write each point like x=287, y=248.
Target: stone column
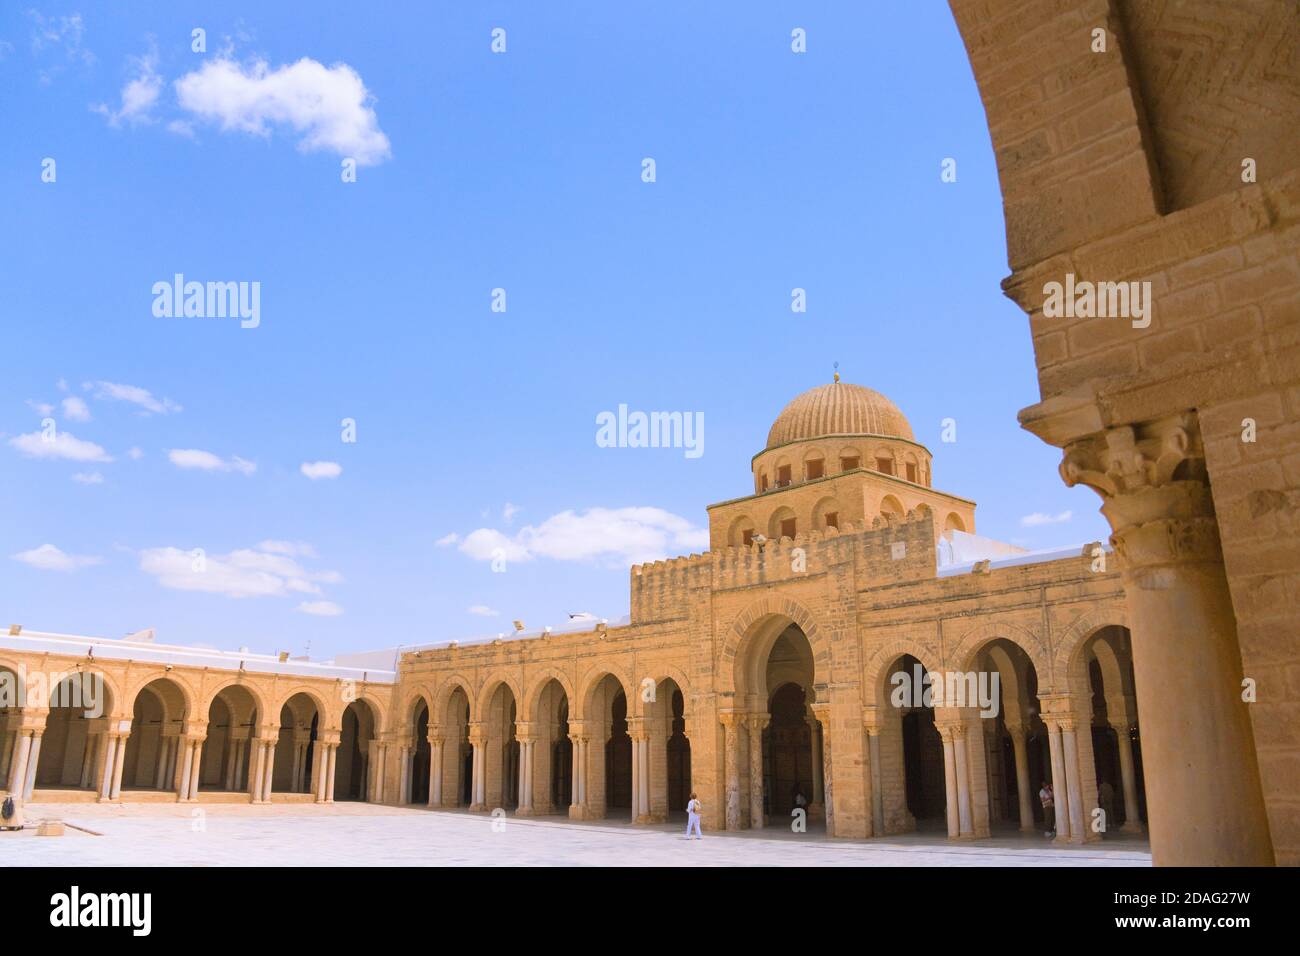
x=578, y=796
x=88, y=761
x=823, y=713
x=1202, y=773
x=478, y=739
x=197, y=768
x=183, y=788
x=319, y=768
x=1024, y=788
x=731, y=751
x=435, y=770
x=660, y=729
x=877, y=782
x=1060, y=787
x=165, y=744
x=1070, y=754
x=643, y=748
x=634, y=732
x=525, y=794
x=7, y=751
x=950, y=782
x=329, y=773
x=404, y=772
x=817, y=805
x=119, y=762
x=268, y=769
x=1128, y=778
x=757, y=722
x=956, y=762
x=33, y=764
x=108, y=747
x=256, y=757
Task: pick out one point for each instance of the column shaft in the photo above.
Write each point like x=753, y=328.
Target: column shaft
x=1128, y=776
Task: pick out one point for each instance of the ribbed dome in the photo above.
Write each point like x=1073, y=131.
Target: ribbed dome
x=838, y=409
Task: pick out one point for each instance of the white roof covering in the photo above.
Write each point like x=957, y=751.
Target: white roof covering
x=960, y=554
x=182, y=655
x=390, y=656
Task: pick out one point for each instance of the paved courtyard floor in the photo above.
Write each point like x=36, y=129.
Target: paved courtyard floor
x=358, y=834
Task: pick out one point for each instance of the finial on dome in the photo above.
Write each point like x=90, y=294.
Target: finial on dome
x=837, y=373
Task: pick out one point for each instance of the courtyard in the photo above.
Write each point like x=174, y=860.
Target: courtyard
x=360, y=834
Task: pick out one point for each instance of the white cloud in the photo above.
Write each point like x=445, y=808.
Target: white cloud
x=329, y=107
x=246, y=572
x=117, y=392
x=75, y=409
x=315, y=470
x=196, y=458
x=44, y=409
x=1038, y=518
x=294, y=549
x=61, y=445
x=621, y=536
x=320, y=608
x=482, y=610
x=509, y=511
x=139, y=94
x=89, y=477
x=135, y=454
x=447, y=539
x=49, y=558
x=58, y=33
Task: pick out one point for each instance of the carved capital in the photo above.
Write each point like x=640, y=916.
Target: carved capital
x=731, y=719
x=1155, y=489
x=1127, y=458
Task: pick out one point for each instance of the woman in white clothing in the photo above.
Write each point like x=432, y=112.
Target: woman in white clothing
x=693, y=809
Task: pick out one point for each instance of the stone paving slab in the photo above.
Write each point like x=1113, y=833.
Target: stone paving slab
x=363, y=835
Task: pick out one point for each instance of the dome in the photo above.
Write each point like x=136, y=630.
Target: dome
x=838, y=409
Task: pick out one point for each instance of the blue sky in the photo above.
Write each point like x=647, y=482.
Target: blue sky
x=477, y=170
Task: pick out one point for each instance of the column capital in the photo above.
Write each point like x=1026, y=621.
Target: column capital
x=32, y=722
x=731, y=719
x=951, y=730
x=758, y=721
x=1154, y=485
x=872, y=721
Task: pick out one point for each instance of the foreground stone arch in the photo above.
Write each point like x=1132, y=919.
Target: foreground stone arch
x=963, y=656
x=761, y=622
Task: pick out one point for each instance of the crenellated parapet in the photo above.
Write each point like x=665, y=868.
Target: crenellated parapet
x=898, y=549
x=891, y=549
x=660, y=589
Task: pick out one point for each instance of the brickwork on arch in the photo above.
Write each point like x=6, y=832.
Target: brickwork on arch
x=1172, y=157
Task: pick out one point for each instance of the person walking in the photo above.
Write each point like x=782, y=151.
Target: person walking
x=1048, y=800
x=693, y=810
